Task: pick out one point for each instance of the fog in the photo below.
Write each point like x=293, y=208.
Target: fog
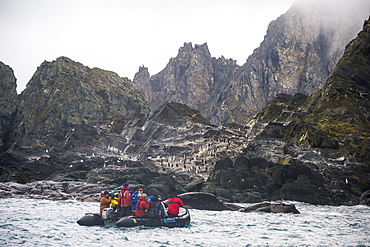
x=337, y=19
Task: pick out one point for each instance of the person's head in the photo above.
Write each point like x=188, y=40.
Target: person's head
x=144, y=195
x=115, y=196
x=125, y=185
x=154, y=198
x=104, y=193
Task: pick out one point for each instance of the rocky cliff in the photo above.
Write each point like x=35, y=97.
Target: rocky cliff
x=64, y=93
x=192, y=77
x=8, y=105
x=334, y=122
x=64, y=101
x=298, y=52
x=338, y=116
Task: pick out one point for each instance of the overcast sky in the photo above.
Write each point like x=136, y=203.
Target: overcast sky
x=122, y=35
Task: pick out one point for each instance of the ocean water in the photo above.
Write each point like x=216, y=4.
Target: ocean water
x=30, y=222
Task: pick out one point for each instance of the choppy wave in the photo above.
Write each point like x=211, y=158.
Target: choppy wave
x=31, y=222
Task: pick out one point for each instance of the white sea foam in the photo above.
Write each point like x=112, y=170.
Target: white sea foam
x=30, y=222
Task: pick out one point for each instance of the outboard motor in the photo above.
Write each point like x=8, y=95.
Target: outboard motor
x=108, y=215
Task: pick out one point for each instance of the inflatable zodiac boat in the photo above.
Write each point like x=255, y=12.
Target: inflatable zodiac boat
x=107, y=218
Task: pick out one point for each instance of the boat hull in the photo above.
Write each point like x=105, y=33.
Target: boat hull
x=131, y=221
x=90, y=219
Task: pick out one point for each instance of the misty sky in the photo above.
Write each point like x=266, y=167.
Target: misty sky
x=121, y=35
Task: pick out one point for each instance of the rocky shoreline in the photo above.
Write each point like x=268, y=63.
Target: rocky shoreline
x=86, y=192
x=80, y=191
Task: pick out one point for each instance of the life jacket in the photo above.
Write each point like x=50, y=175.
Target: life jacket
x=141, y=207
x=124, y=198
x=174, y=204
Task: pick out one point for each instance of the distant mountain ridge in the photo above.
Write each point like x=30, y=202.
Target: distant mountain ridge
x=299, y=51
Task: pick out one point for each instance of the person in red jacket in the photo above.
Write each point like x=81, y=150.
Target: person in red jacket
x=125, y=201
x=142, y=205
x=174, y=204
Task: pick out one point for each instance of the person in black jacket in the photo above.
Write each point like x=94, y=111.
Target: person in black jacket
x=156, y=209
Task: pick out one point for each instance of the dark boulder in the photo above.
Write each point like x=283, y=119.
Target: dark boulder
x=271, y=208
x=201, y=200
x=242, y=163
x=300, y=189
x=277, y=174
x=195, y=185
x=259, y=162
x=365, y=198
x=223, y=163
x=293, y=171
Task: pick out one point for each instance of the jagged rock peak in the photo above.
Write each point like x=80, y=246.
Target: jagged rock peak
x=64, y=92
x=189, y=46
x=193, y=77
x=143, y=69
x=187, y=51
x=64, y=59
x=142, y=80
x=7, y=78
x=187, y=78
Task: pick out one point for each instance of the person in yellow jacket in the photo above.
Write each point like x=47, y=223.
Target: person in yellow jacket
x=114, y=202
